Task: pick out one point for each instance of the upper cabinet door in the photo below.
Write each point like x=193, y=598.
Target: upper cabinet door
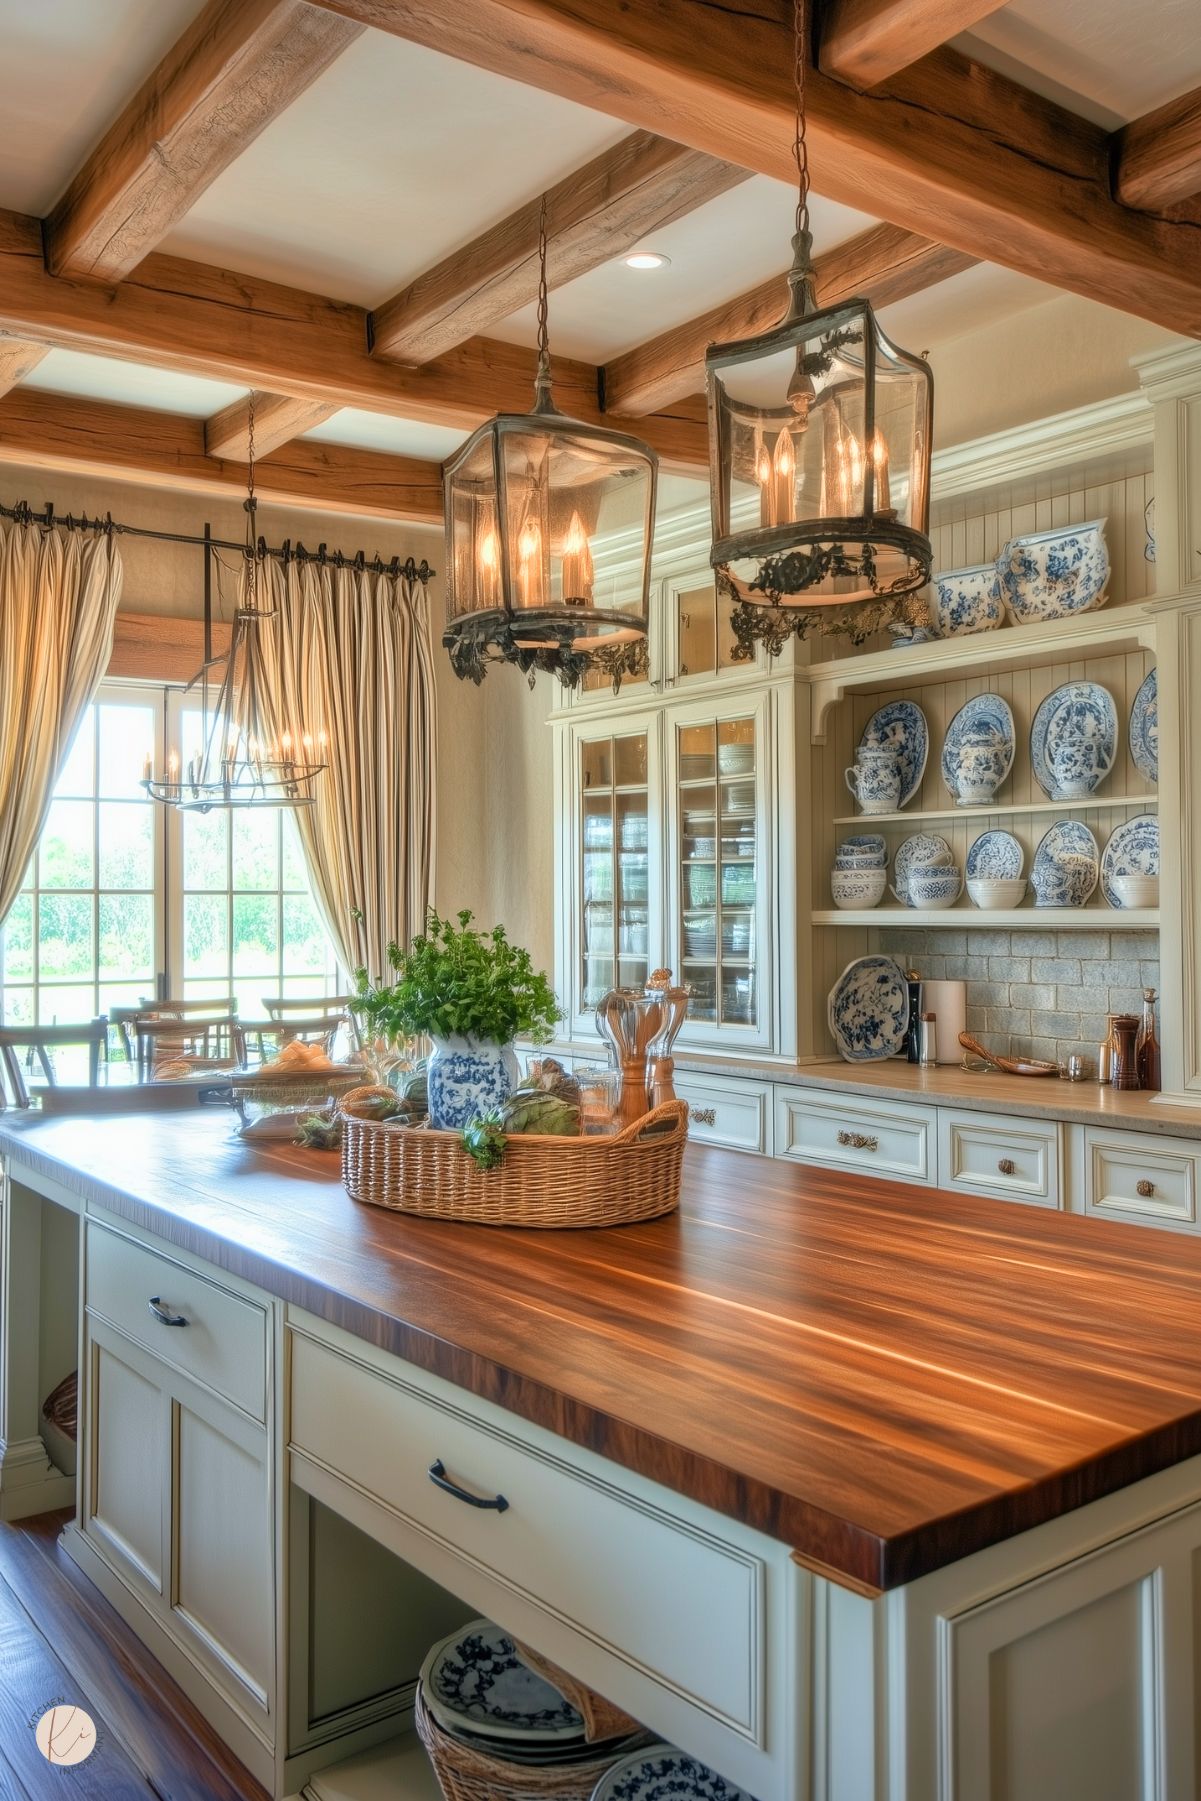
x=700, y=642
x=721, y=867
x=611, y=911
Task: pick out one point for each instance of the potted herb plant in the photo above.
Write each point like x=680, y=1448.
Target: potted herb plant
x=471, y=993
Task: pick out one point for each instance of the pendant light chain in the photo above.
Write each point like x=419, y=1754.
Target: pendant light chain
x=800, y=146
x=542, y=394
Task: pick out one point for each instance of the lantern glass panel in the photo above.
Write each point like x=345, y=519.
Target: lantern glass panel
x=821, y=434
x=475, y=581
x=577, y=516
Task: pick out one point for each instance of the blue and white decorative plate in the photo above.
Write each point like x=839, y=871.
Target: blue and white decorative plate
x=1133, y=849
x=661, y=1773
x=921, y=847
x=1051, y=574
x=901, y=725
x=1066, y=866
x=995, y=857
x=966, y=601
x=474, y=1681
x=868, y=1009
x=1144, y=728
x=984, y=721
x=1074, y=740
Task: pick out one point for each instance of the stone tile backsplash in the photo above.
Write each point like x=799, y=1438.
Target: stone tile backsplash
x=1039, y=994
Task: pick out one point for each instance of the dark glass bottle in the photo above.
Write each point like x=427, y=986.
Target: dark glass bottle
x=911, y=1045
x=1147, y=1049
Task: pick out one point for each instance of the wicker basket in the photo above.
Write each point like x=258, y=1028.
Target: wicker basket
x=465, y=1774
x=602, y=1719
x=540, y=1180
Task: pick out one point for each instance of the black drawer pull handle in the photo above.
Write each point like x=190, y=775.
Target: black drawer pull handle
x=440, y=1479
x=164, y=1314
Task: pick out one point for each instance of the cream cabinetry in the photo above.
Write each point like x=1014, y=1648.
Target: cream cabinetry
x=1010, y=1159
x=872, y=1137
x=177, y=1486
x=736, y=1113
x=1125, y=1175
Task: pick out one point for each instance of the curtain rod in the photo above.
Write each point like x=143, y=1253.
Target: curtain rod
x=24, y=514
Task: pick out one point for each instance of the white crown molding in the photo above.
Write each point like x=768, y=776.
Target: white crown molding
x=1121, y=423
x=1170, y=374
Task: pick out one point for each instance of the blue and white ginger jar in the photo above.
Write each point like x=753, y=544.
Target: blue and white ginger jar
x=468, y=1076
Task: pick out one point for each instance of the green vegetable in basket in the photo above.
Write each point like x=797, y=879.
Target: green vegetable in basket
x=549, y=1077
x=534, y=1110
x=319, y=1131
x=413, y=1090
x=484, y=1140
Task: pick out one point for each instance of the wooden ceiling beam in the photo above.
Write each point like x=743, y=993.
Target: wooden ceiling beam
x=191, y=316
x=278, y=418
x=882, y=265
x=948, y=149
x=238, y=65
x=865, y=42
x=592, y=216
x=1157, y=159
x=17, y=357
x=91, y=437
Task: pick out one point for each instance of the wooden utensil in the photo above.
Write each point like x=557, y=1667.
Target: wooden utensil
x=1010, y=1066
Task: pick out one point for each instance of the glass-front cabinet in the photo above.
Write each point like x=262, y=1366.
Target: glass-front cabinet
x=614, y=871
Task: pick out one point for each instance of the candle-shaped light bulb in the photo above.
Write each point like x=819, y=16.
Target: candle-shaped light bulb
x=172, y=766
x=880, y=469
x=785, y=466
x=147, y=767
x=307, y=741
x=529, y=558
x=577, y=563
x=322, y=743
x=767, y=486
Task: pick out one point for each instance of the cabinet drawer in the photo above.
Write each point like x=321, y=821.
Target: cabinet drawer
x=734, y=1113
x=883, y=1138
x=224, y=1343
x=1134, y=1175
x=1013, y=1159
x=669, y=1599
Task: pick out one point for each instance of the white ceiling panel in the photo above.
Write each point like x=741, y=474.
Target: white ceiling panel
x=68, y=67
x=963, y=303
x=392, y=159
x=130, y=384
x=717, y=252
x=375, y=431
x=1110, y=60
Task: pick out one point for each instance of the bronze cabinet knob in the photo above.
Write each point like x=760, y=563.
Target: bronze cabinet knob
x=1006, y=1165
x=1144, y=1188
x=859, y=1141
x=703, y=1116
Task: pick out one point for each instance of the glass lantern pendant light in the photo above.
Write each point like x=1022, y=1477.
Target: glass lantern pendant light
x=548, y=535
x=240, y=764
x=819, y=444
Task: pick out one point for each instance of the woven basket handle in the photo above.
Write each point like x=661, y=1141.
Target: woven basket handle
x=666, y=1113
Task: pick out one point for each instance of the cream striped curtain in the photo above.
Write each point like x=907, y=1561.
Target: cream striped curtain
x=59, y=590
x=348, y=653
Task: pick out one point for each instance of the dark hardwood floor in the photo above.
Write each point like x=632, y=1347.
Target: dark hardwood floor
x=61, y=1643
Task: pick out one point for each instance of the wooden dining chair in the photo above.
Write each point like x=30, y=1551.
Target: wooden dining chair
x=268, y=1037
x=168, y=1037
x=40, y=1042
x=213, y=1011
x=315, y=1018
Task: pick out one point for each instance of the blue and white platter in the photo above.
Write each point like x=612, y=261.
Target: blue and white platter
x=1133, y=849
x=984, y=719
x=901, y=725
x=966, y=601
x=868, y=1009
x=661, y=1773
x=474, y=1681
x=1052, y=574
x=919, y=848
x=1074, y=740
x=1066, y=866
x=1144, y=728
x=995, y=857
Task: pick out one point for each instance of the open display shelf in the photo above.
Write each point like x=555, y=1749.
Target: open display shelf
x=1091, y=803
x=1029, y=919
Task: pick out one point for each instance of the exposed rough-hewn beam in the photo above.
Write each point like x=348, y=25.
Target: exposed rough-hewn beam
x=52, y=431
x=883, y=264
x=593, y=215
x=183, y=315
x=948, y=149
x=278, y=418
x=238, y=65
x=1157, y=159
x=866, y=41
x=17, y=357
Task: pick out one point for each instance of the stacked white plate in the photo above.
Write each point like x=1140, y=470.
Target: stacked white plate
x=478, y=1690
x=664, y=1773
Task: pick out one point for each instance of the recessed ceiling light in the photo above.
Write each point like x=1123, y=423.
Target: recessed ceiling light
x=647, y=259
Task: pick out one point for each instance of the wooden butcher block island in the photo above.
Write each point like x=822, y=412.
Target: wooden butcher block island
x=859, y=1490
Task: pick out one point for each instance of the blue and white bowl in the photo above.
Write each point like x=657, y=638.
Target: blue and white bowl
x=1051, y=574
x=965, y=601
x=857, y=887
x=934, y=886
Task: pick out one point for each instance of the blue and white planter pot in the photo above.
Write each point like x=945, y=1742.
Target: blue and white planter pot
x=466, y=1077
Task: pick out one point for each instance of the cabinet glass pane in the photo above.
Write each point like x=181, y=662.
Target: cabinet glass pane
x=705, y=633
x=718, y=869
x=614, y=865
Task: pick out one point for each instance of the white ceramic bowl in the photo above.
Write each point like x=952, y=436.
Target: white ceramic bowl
x=857, y=887
x=1050, y=574
x=965, y=601
x=1136, y=890
x=934, y=885
x=991, y=893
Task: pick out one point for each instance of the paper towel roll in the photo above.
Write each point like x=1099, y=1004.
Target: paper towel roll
x=948, y=1003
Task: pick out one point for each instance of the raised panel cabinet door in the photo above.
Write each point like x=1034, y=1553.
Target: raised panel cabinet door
x=130, y=1451
x=223, y=1594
